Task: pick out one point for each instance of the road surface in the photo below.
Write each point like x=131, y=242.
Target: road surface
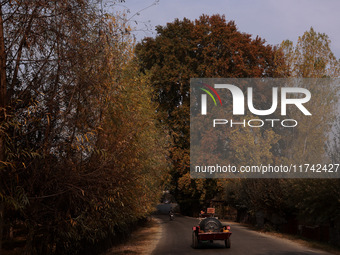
x=176, y=239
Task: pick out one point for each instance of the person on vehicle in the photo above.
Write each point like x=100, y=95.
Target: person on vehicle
x=171, y=214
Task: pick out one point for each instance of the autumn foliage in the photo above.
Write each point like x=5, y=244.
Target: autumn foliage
x=93, y=126
x=81, y=153
x=211, y=47
x=207, y=47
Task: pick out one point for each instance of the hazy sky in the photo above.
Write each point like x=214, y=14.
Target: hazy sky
x=273, y=20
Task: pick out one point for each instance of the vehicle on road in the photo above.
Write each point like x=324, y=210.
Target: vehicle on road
x=171, y=215
x=210, y=229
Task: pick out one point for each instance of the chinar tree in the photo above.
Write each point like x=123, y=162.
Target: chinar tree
x=207, y=47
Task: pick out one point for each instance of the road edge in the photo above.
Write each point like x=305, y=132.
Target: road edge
x=310, y=244
x=158, y=236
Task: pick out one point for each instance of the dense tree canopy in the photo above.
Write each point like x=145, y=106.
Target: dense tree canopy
x=92, y=125
x=81, y=154
x=207, y=47
x=311, y=201
x=212, y=47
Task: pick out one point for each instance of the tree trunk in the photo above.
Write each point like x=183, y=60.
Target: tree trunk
x=1, y=223
x=3, y=92
x=3, y=85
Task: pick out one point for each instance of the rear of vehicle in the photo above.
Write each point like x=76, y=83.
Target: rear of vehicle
x=210, y=229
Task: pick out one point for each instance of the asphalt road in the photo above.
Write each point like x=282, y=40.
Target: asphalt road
x=176, y=239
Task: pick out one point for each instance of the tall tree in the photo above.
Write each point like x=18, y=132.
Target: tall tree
x=312, y=57
x=311, y=201
x=207, y=47
x=82, y=153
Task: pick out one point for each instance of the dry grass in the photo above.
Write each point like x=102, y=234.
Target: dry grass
x=308, y=243
x=298, y=239
x=143, y=241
